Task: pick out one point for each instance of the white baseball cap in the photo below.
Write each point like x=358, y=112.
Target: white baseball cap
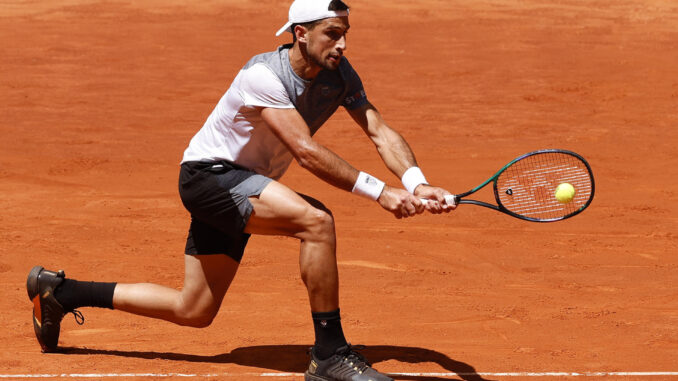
x=303, y=11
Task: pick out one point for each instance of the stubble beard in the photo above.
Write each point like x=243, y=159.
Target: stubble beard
x=323, y=63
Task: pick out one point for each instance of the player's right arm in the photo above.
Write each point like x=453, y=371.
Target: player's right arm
x=259, y=87
x=289, y=126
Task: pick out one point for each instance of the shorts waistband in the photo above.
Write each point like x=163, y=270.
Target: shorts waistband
x=214, y=164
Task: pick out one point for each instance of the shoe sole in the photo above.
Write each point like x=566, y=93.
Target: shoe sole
x=32, y=282
x=310, y=377
x=33, y=289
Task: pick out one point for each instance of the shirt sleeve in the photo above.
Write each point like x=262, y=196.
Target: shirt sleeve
x=260, y=87
x=355, y=97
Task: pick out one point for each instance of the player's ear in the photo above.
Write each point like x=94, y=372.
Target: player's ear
x=300, y=32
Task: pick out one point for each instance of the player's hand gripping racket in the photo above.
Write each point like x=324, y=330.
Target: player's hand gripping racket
x=541, y=186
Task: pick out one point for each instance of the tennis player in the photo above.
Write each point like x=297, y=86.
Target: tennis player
x=228, y=183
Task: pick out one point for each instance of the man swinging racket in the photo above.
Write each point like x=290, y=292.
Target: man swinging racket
x=228, y=183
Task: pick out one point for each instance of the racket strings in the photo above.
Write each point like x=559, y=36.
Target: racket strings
x=528, y=186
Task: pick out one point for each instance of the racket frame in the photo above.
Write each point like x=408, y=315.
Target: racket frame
x=459, y=198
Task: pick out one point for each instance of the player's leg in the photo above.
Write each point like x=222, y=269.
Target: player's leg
x=280, y=211
x=206, y=280
x=205, y=190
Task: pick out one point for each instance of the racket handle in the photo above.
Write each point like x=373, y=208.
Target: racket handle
x=450, y=199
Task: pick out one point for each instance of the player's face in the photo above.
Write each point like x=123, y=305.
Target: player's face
x=326, y=42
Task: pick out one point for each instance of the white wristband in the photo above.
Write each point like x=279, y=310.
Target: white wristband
x=368, y=186
x=412, y=178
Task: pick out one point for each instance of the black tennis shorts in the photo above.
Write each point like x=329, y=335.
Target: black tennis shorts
x=215, y=193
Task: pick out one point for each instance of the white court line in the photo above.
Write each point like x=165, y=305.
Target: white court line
x=272, y=374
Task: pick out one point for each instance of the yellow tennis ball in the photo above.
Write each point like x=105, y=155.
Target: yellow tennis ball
x=565, y=193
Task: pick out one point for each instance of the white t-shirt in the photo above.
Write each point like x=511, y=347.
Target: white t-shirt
x=236, y=132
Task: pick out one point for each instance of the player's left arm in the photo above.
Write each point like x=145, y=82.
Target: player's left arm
x=396, y=153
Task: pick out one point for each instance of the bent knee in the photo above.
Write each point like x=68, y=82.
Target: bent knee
x=197, y=321
x=195, y=317
x=319, y=224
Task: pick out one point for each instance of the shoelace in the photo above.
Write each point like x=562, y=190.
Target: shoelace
x=355, y=359
x=79, y=317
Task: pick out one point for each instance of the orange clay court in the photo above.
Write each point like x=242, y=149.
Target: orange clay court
x=100, y=98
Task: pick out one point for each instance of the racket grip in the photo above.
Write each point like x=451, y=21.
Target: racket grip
x=450, y=199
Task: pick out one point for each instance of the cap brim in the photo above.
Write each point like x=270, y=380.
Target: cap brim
x=285, y=27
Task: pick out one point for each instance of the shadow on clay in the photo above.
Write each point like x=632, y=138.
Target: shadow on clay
x=294, y=358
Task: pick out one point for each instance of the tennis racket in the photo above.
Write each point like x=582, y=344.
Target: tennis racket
x=525, y=188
